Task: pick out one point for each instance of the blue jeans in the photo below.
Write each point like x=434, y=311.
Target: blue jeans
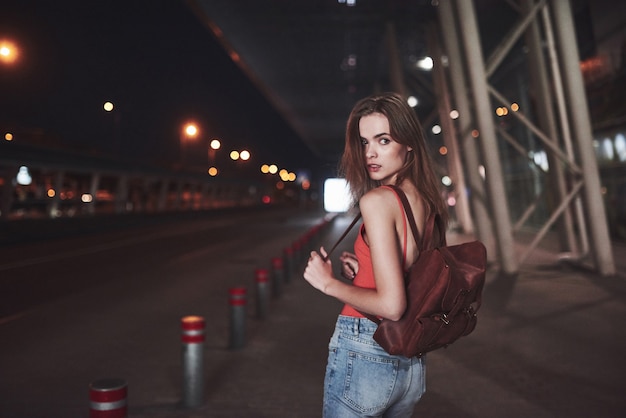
x=362, y=380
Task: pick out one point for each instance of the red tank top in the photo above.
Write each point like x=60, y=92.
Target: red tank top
x=365, y=276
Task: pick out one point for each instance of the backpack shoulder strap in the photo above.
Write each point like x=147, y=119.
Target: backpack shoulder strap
x=430, y=225
x=354, y=221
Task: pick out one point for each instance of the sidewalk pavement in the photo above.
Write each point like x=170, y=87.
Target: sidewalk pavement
x=550, y=342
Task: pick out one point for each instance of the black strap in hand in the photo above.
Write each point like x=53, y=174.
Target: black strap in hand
x=354, y=221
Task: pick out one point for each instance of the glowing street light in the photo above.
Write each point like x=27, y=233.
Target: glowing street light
x=215, y=144
x=191, y=130
x=8, y=51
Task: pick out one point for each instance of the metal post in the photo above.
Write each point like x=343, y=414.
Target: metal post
x=178, y=204
x=53, y=207
x=108, y=398
x=163, y=191
x=261, y=277
x=278, y=274
x=547, y=121
x=237, y=303
x=395, y=63
x=478, y=200
x=192, y=337
x=288, y=263
x=121, y=194
x=453, y=159
x=93, y=190
x=579, y=116
x=487, y=135
x=564, y=123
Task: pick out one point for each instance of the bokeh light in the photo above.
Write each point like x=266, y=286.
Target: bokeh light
x=8, y=51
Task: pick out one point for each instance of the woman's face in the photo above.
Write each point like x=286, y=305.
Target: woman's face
x=384, y=157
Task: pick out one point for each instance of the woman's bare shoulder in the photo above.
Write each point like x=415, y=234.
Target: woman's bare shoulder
x=380, y=205
x=377, y=198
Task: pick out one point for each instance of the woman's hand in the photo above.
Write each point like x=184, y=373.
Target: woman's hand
x=349, y=265
x=319, y=271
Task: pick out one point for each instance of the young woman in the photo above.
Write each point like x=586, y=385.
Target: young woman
x=384, y=146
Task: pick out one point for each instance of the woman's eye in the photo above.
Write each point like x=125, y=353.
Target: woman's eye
x=385, y=140
x=363, y=142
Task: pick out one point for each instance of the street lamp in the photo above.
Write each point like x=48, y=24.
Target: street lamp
x=8, y=51
x=189, y=132
x=214, y=145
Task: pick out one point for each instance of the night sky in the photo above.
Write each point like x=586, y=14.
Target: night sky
x=154, y=60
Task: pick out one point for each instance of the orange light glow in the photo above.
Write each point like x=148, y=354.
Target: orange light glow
x=191, y=130
x=8, y=51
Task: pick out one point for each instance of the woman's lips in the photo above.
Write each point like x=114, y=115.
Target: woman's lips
x=373, y=167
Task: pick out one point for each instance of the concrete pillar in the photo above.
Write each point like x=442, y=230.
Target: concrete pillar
x=395, y=64
x=556, y=189
x=583, y=137
x=453, y=159
x=93, y=191
x=469, y=146
x=121, y=194
x=487, y=135
x=53, y=206
x=163, y=191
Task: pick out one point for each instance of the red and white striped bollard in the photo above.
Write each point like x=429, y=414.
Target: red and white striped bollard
x=108, y=398
x=192, y=338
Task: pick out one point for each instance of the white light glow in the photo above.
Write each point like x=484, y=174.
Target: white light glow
x=23, y=176
x=336, y=195
x=425, y=63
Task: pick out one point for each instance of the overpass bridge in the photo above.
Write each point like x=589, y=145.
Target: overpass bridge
x=44, y=182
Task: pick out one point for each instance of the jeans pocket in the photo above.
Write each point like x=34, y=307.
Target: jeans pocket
x=370, y=381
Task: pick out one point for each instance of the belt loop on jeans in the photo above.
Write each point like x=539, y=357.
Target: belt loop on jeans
x=357, y=324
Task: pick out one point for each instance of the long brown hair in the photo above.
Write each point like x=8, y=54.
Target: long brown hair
x=405, y=129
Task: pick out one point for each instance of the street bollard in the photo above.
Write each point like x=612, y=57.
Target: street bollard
x=278, y=274
x=108, y=398
x=192, y=337
x=288, y=263
x=262, y=292
x=237, y=303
